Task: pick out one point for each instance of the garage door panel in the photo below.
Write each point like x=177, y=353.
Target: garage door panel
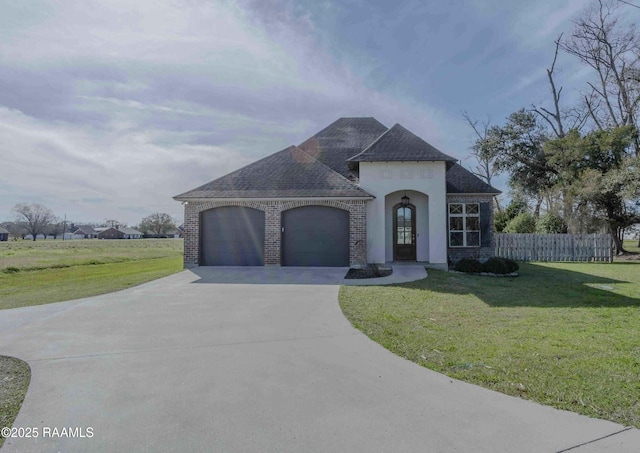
x=315, y=236
x=232, y=236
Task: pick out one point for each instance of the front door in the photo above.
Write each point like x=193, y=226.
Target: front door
x=404, y=232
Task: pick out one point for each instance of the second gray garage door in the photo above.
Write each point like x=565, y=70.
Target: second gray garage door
x=315, y=236
x=232, y=236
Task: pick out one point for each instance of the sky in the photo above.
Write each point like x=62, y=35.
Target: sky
x=110, y=108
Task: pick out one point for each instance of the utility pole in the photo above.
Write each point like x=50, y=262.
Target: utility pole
x=64, y=226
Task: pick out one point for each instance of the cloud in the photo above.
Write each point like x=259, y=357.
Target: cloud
x=130, y=103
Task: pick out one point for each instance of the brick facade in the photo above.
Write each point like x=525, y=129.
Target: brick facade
x=454, y=254
x=273, y=214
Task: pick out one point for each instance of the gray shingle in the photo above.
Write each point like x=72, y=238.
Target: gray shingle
x=342, y=139
x=400, y=144
x=287, y=173
x=461, y=180
x=86, y=229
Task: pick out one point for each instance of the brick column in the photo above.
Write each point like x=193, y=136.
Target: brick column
x=357, y=233
x=191, y=234
x=273, y=234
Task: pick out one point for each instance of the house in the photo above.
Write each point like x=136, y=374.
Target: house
x=83, y=232
x=4, y=234
x=119, y=233
x=356, y=192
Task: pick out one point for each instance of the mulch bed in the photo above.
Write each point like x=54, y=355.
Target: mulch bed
x=370, y=271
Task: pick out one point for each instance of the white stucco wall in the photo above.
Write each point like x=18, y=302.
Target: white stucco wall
x=385, y=178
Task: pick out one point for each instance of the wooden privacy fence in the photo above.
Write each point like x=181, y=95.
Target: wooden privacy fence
x=554, y=247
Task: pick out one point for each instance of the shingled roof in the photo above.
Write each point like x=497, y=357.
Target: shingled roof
x=287, y=173
x=461, y=180
x=341, y=140
x=400, y=144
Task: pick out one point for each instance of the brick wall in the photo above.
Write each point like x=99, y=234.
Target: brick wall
x=480, y=253
x=273, y=216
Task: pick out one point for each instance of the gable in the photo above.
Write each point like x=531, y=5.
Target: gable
x=400, y=145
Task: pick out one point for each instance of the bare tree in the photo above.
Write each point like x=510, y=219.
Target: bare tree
x=56, y=228
x=602, y=42
x=113, y=223
x=34, y=218
x=158, y=224
x=485, y=156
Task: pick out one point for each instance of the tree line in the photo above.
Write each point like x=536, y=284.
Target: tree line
x=34, y=219
x=574, y=168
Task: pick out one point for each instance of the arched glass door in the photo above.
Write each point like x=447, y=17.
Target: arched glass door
x=404, y=232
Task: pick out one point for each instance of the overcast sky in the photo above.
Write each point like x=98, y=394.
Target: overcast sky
x=109, y=108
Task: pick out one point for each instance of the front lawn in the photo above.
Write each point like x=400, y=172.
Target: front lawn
x=562, y=334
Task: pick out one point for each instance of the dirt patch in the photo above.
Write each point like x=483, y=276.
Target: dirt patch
x=14, y=382
x=629, y=256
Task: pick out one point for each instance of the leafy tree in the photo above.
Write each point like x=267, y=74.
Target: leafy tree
x=516, y=206
x=524, y=222
x=599, y=173
x=518, y=149
x=34, y=218
x=158, y=223
x=551, y=222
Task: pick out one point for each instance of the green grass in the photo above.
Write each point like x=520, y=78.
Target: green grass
x=30, y=255
x=55, y=285
x=14, y=382
x=631, y=246
x=562, y=334
x=42, y=272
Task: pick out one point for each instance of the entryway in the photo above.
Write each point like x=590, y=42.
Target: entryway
x=404, y=232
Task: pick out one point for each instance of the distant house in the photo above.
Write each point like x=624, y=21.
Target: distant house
x=119, y=233
x=84, y=232
x=4, y=234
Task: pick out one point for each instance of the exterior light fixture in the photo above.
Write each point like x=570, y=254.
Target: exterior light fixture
x=405, y=200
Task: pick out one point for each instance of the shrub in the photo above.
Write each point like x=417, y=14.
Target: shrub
x=524, y=222
x=516, y=206
x=468, y=265
x=512, y=265
x=551, y=223
x=495, y=266
x=10, y=270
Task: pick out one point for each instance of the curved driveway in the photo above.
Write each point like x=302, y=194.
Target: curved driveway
x=185, y=364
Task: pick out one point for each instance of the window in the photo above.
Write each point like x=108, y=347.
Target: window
x=464, y=225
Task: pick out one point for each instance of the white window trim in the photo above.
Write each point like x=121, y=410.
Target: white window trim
x=464, y=230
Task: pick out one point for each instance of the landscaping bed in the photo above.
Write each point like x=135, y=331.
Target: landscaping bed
x=369, y=271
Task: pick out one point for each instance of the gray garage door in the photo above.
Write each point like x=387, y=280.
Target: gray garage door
x=232, y=236
x=315, y=236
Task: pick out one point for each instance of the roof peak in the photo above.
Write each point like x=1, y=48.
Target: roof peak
x=400, y=144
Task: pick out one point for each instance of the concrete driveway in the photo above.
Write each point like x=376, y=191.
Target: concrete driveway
x=180, y=364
